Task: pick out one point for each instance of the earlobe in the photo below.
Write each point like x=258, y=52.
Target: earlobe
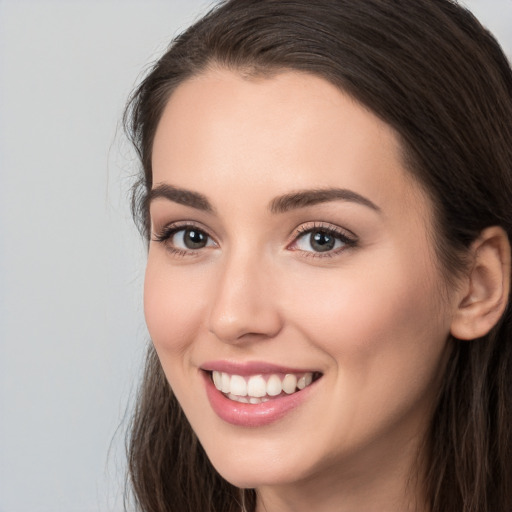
x=488, y=285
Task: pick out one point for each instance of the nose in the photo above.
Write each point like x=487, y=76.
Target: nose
x=244, y=304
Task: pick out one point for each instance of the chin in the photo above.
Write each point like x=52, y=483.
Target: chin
x=257, y=468
x=248, y=477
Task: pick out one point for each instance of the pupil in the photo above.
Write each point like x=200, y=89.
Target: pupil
x=322, y=242
x=194, y=239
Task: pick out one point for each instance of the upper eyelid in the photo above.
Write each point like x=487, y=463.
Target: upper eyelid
x=351, y=240
x=307, y=227
x=179, y=225
x=166, y=233
x=300, y=230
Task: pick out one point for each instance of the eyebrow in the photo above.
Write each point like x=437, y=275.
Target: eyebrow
x=180, y=196
x=281, y=204
x=304, y=198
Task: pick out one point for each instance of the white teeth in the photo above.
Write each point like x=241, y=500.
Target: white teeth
x=305, y=380
x=225, y=383
x=217, y=379
x=274, y=387
x=238, y=385
x=256, y=389
x=242, y=399
x=289, y=383
x=257, y=386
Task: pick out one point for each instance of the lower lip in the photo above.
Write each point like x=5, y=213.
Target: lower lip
x=253, y=415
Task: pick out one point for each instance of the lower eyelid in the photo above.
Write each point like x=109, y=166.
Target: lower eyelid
x=166, y=233
x=176, y=247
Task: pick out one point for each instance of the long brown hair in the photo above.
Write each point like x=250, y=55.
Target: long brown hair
x=432, y=72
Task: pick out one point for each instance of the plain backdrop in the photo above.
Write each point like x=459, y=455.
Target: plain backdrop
x=72, y=332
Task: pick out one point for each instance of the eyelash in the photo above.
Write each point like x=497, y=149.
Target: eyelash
x=348, y=239
x=170, y=230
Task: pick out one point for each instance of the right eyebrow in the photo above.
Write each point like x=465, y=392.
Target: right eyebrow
x=180, y=196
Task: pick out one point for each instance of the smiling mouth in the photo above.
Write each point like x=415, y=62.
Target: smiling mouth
x=260, y=388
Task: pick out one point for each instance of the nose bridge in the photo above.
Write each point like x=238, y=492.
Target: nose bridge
x=243, y=303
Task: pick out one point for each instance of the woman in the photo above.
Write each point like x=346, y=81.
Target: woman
x=326, y=196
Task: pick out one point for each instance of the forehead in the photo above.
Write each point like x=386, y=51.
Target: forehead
x=289, y=131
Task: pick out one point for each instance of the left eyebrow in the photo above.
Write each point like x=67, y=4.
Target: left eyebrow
x=304, y=198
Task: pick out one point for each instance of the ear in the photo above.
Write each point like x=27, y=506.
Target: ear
x=486, y=289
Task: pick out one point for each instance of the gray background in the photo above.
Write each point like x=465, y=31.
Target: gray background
x=72, y=332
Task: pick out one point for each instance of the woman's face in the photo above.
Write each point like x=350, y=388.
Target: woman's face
x=291, y=249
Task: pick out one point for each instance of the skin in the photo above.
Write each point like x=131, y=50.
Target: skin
x=372, y=317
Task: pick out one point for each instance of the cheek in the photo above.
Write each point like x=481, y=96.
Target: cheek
x=384, y=327
x=365, y=306
x=385, y=334
x=173, y=306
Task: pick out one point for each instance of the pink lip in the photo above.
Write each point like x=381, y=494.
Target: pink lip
x=253, y=415
x=249, y=368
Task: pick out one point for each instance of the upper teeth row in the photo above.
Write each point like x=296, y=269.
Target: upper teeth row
x=256, y=386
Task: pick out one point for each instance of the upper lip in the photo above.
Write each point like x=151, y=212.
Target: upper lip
x=250, y=368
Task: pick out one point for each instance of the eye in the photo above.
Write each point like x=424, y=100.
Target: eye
x=321, y=239
x=190, y=238
x=184, y=239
